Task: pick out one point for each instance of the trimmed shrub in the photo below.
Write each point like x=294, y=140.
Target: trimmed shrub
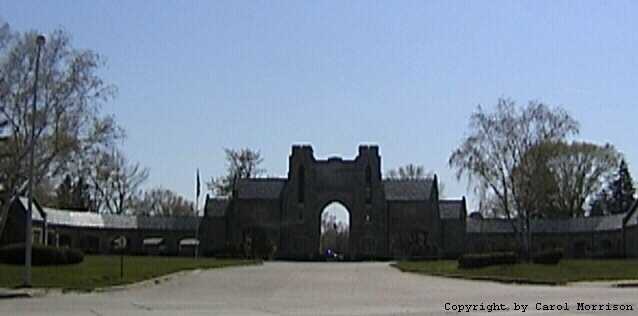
x=230, y=250
x=552, y=256
x=41, y=255
x=479, y=260
x=73, y=256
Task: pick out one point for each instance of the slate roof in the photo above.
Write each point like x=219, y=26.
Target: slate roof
x=474, y=225
x=407, y=190
x=260, y=188
x=451, y=209
x=216, y=207
x=632, y=217
x=111, y=221
x=572, y=225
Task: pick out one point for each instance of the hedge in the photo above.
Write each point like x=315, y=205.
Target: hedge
x=552, y=256
x=470, y=261
x=40, y=255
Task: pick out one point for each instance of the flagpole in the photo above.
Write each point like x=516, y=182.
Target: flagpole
x=197, y=191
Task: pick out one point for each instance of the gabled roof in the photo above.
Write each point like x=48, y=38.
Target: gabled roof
x=111, y=221
x=408, y=190
x=571, y=225
x=260, y=188
x=216, y=207
x=474, y=225
x=452, y=209
x=632, y=215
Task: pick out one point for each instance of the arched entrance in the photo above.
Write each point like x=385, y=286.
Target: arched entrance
x=334, y=232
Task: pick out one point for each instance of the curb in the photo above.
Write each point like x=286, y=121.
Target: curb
x=625, y=285
x=14, y=295
x=621, y=285
x=497, y=280
x=18, y=293
x=485, y=278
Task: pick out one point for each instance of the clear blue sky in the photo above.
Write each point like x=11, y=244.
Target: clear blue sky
x=195, y=77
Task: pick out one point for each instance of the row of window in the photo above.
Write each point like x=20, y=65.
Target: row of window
x=92, y=243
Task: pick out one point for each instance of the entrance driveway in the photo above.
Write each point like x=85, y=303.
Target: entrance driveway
x=286, y=288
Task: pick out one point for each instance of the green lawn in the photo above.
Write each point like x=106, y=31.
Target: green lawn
x=566, y=271
x=103, y=271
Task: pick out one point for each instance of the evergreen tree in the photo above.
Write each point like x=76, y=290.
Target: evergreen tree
x=601, y=204
x=64, y=193
x=80, y=198
x=72, y=195
x=622, y=190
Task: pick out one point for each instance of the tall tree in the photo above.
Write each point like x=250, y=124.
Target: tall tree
x=622, y=190
x=72, y=194
x=408, y=172
x=599, y=205
x=414, y=172
x=63, y=194
x=114, y=182
x=496, y=145
x=163, y=202
x=580, y=170
x=535, y=181
x=68, y=118
x=240, y=164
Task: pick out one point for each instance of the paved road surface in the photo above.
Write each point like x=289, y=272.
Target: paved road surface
x=283, y=288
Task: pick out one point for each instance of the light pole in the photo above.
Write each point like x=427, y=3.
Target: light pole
x=28, y=243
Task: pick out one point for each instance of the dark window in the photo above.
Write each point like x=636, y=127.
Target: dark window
x=368, y=184
x=51, y=239
x=423, y=239
x=65, y=240
x=580, y=249
x=301, y=185
x=606, y=245
x=91, y=244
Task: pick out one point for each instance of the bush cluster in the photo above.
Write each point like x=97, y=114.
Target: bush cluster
x=41, y=255
x=552, y=256
x=470, y=261
x=230, y=250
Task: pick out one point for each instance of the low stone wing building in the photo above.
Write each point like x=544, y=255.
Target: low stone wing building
x=612, y=236
x=96, y=233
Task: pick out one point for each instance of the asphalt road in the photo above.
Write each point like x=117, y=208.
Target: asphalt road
x=284, y=288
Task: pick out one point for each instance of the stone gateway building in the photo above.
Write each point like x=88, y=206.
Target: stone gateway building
x=388, y=219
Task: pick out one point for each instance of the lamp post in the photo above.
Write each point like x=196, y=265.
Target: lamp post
x=28, y=243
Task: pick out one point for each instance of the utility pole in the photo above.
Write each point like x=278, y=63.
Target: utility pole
x=28, y=244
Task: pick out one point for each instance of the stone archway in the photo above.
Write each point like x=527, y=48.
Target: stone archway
x=334, y=231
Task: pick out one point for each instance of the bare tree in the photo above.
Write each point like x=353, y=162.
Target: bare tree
x=497, y=144
x=334, y=234
x=580, y=170
x=164, y=202
x=68, y=118
x=115, y=182
x=414, y=172
x=408, y=172
x=241, y=164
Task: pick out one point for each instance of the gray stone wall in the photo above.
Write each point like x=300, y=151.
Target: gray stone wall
x=414, y=229
x=453, y=237
x=600, y=244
